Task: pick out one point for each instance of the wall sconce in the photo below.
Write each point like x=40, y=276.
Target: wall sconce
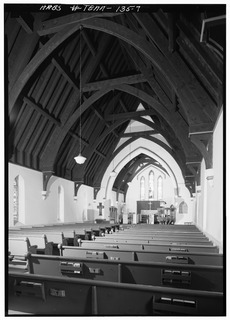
x=210, y=177
x=44, y=193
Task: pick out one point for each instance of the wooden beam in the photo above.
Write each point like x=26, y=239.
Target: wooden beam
x=75, y=136
x=26, y=21
x=138, y=134
x=171, y=32
x=194, y=97
x=138, y=78
x=65, y=72
x=130, y=115
x=56, y=24
x=201, y=128
x=41, y=111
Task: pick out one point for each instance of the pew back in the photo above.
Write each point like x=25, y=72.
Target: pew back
x=45, y=295
x=129, y=255
x=194, y=277
x=154, y=247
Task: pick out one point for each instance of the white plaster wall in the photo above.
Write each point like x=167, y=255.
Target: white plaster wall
x=210, y=208
x=213, y=224
x=38, y=211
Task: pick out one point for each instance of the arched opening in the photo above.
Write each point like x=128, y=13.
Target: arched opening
x=60, y=211
x=18, y=200
x=142, y=188
x=183, y=207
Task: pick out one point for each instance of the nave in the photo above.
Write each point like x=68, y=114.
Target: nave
x=105, y=269
x=115, y=136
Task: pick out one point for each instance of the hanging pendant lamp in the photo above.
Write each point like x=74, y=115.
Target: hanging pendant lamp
x=80, y=159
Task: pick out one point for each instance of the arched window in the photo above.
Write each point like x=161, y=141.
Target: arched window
x=60, y=211
x=151, y=185
x=183, y=208
x=16, y=201
x=159, y=188
x=142, y=188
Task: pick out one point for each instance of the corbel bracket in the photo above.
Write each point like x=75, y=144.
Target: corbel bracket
x=203, y=141
x=46, y=175
x=77, y=185
x=194, y=167
x=95, y=192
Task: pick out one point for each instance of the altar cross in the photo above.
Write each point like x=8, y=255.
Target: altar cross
x=100, y=207
x=150, y=204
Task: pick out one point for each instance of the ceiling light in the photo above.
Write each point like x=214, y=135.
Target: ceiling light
x=80, y=159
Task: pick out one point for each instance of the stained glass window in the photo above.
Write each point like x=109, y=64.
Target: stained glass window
x=151, y=185
x=15, y=200
x=159, y=188
x=142, y=188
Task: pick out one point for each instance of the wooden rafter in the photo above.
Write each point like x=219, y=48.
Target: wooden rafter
x=138, y=78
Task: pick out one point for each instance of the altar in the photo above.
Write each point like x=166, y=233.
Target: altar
x=148, y=216
x=147, y=211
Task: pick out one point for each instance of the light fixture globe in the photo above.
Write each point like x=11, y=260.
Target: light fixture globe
x=80, y=159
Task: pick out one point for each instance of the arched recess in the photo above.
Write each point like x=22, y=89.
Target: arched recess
x=183, y=207
x=61, y=205
x=153, y=150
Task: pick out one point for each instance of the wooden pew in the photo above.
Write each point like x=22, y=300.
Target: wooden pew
x=173, y=248
x=18, y=249
x=197, y=258
x=46, y=295
x=195, y=277
x=140, y=240
x=192, y=235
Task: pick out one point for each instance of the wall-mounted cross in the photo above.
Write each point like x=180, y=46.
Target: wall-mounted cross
x=150, y=204
x=100, y=207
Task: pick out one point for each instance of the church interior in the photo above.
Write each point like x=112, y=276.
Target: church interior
x=115, y=159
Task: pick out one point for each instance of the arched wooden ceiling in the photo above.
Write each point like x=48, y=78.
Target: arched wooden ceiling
x=108, y=63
